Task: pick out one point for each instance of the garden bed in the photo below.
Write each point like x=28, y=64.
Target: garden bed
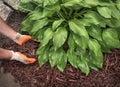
x=34, y=76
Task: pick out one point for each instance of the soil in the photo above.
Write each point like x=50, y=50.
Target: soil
x=34, y=76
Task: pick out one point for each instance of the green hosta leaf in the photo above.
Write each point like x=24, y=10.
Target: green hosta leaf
x=48, y=34
x=27, y=6
x=53, y=1
x=82, y=42
x=83, y=65
x=92, y=2
x=50, y=10
x=94, y=18
x=105, y=48
x=113, y=23
x=94, y=46
x=78, y=29
x=39, y=24
x=72, y=58
x=35, y=15
x=85, y=21
x=39, y=35
x=54, y=57
x=105, y=11
x=93, y=66
x=62, y=61
x=60, y=37
x=115, y=12
x=49, y=2
x=43, y=56
x=38, y=1
x=97, y=60
x=71, y=43
x=56, y=24
x=46, y=2
x=118, y=4
x=26, y=24
x=95, y=32
x=68, y=3
x=110, y=37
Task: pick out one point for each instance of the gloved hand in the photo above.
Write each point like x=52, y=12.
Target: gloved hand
x=20, y=39
x=22, y=58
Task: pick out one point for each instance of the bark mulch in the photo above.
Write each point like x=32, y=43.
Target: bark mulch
x=34, y=76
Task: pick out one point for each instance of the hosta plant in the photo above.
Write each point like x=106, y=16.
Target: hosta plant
x=73, y=31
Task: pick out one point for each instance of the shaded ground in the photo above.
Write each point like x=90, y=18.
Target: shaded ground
x=33, y=76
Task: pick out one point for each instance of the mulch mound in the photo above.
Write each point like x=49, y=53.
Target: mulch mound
x=34, y=76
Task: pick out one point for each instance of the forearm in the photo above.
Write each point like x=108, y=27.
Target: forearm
x=5, y=54
x=6, y=30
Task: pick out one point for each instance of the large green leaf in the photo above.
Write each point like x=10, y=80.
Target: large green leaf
x=118, y=4
x=56, y=24
x=85, y=21
x=43, y=55
x=95, y=32
x=72, y=58
x=113, y=23
x=71, y=43
x=110, y=37
x=115, y=12
x=27, y=6
x=94, y=46
x=83, y=65
x=60, y=37
x=105, y=48
x=48, y=34
x=49, y=2
x=105, y=11
x=35, y=15
x=26, y=24
x=39, y=24
x=97, y=61
x=78, y=28
x=50, y=10
x=92, y=2
x=95, y=53
x=54, y=57
x=62, y=61
x=38, y=35
x=37, y=1
x=82, y=42
x=68, y=3
x=94, y=18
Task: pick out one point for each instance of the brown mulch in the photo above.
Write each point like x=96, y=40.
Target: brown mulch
x=34, y=76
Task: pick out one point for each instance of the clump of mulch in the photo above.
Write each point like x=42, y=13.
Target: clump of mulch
x=34, y=76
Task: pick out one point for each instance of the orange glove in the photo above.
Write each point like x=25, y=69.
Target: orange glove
x=20, y=39
x=22, y=58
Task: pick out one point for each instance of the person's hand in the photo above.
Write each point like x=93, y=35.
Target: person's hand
x=20, y=39
x=23, y=39
x=22, y=58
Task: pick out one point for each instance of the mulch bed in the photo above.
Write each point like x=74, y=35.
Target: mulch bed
x=34, y=76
